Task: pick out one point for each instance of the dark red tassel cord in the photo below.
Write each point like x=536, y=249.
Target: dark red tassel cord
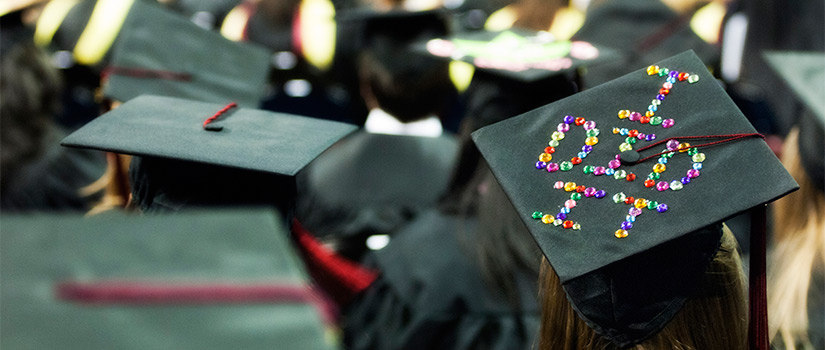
x=758, y=333
x=728, y=138
x=342, y=279
x=219, y=113
x=145, y=73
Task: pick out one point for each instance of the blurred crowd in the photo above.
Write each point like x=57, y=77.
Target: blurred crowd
x=400, y=228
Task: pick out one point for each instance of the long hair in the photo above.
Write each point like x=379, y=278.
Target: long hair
x=716, y=320
x=799, y=248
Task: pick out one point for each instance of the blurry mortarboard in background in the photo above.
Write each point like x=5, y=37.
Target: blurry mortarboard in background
x=520, y=55
x=162, y=53
x=804, y=72
x=601, y=214
x=237, y=149
x=199, y=280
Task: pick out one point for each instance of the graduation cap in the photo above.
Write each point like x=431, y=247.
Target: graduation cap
x=804, y=72
x=204, y=280
x=162, y=53
x=203, y=149
x=619, y=184
x=522, y=55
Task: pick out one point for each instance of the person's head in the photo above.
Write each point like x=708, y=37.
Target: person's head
x=714, y=318
x=408, y=85
x=631, y=224
x=30, y=91
x=162, y=185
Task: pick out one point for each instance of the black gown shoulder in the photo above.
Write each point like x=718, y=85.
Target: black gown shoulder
x=431, y=295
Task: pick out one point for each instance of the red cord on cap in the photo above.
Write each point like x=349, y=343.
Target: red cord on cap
x=728, y=138
x=218, y=114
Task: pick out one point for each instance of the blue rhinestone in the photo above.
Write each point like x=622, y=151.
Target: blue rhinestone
x=561, y=216
x=652, y=108
x=650, y=137
x=540, y=165
x=671, y=80
x=564, y=210
x=587, y=148
x=660, y=97
x=627, y=225
x=630, y=218
x=623, y=131
x=582, y=154
x=663, y=160
x=685, y=180
x=609, y=171
x=697, y=166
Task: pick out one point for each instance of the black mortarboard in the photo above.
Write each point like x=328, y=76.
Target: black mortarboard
x=518, y=54
x=619, y=184
x=804, y=72
x=209, y=143
x=162, y=53
x=199, y=280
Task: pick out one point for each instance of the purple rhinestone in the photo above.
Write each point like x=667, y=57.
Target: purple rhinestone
x=589, y=125
x=551, y=167
x=563, y=127
x=672, y=145
x=668, y=123
x=650, y=137
x=587, y=148
x=561, y=216
x=613, y=164
x=569, y=119
x=673, y=74
x=599, y=170
x=540, y=165
x=634, y=212
x=634, y=116
x=685, y=180
x=660, y=97
x=661, y=208
x=589, y=192
x=617, y=157
x=640, y=136
x=600, y=194
x=626, y=225
x=662, y=186
x=692, y=173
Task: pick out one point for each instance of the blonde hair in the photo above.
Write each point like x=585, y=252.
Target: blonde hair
x=799, y=247
x=717, y=321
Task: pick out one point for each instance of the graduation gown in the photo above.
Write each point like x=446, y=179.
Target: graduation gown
x=431, y=295
x=372, y=184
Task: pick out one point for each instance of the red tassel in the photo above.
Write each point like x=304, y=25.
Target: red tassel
x=341, y=278
x=758, y=323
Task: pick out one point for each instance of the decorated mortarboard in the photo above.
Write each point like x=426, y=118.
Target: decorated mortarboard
x=162, y=53
x=221, y=135
x=518, y=54
x=621, y=183
x=194, y=280
x=804, y=72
